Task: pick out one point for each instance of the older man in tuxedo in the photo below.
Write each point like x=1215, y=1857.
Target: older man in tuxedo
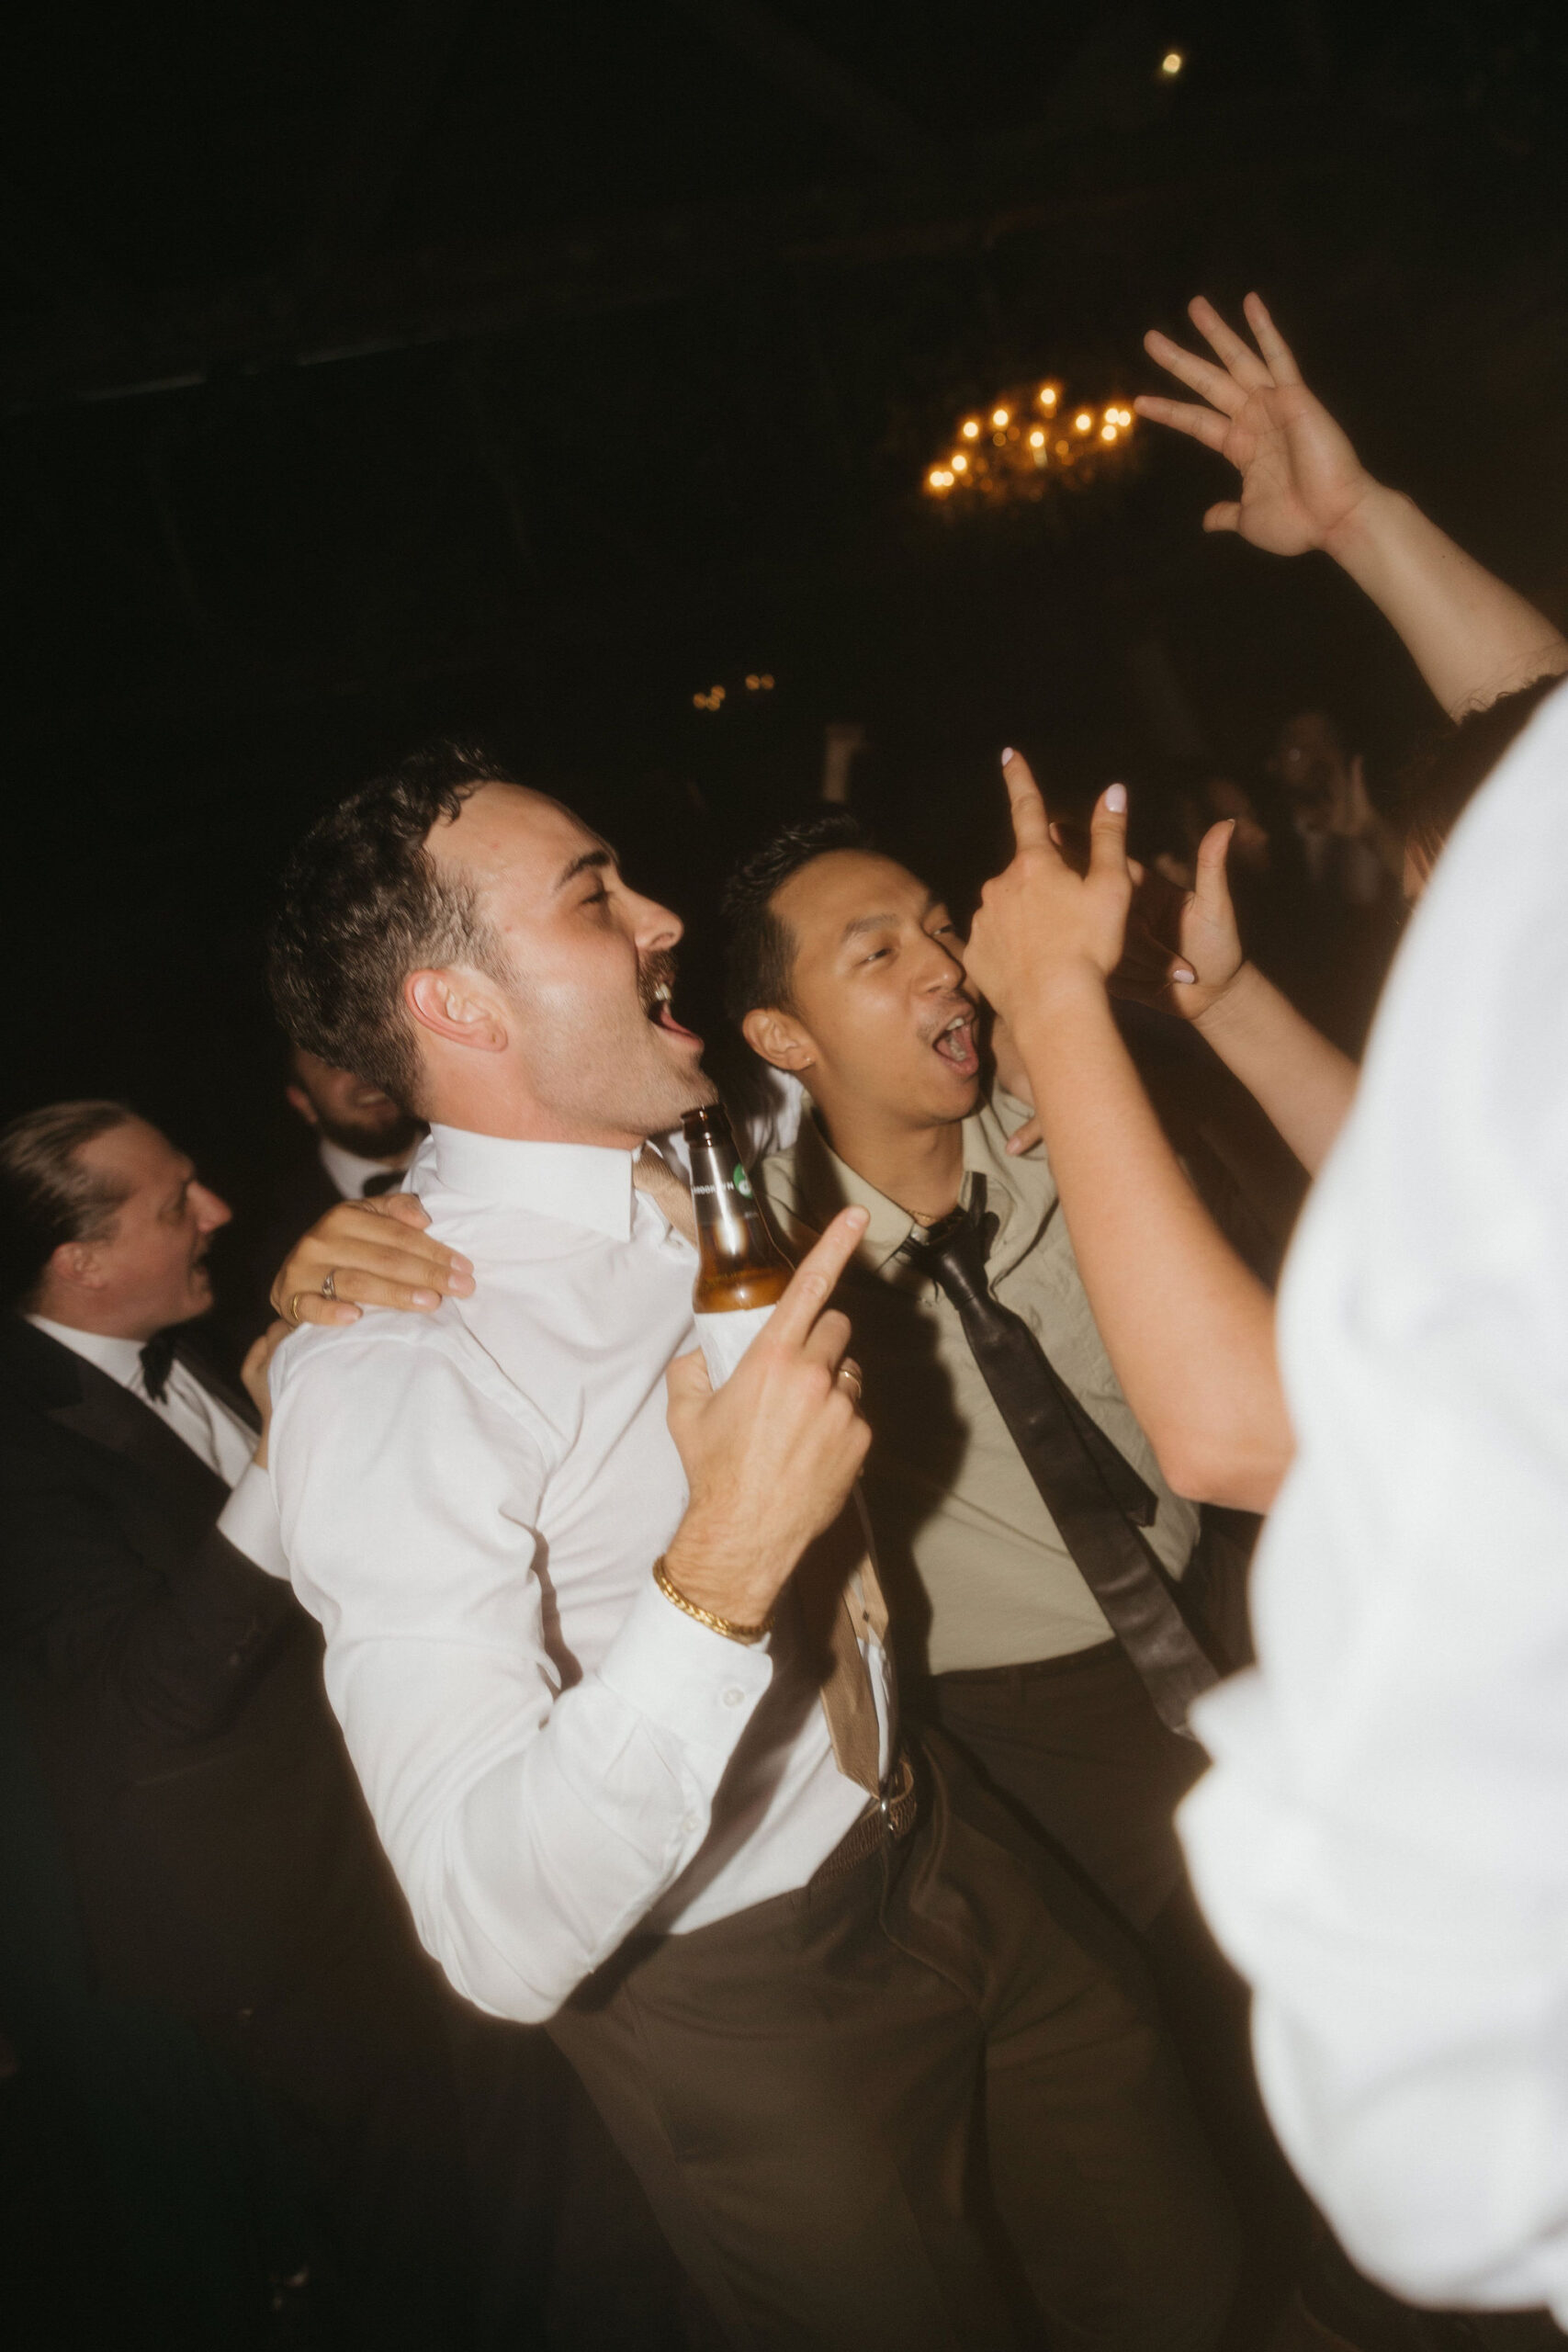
x=165, y=1690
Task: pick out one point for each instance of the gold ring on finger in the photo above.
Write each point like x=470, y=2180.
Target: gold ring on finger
x=293, y=1313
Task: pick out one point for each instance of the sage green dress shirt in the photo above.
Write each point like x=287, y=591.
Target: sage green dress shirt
x=970, y=1556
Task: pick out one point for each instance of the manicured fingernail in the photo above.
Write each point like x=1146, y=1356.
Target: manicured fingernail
x=425, y=1297
x=460, y=1282
x=464, y=1265
x=1183, y=978
x=1009, y=754
x=343, y=1312
x=1116, y=798
x=860, y=1219
x=1013, y=1147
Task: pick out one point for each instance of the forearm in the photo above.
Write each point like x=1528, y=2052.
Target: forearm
x=1187, y=1327
x=1303, y=1084
x=1471, y=637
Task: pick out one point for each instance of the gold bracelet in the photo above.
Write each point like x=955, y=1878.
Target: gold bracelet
x=724, y=1625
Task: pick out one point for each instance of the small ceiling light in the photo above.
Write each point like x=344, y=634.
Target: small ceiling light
x=971, y=428
x=1171, y=63
x=767, y=681
x=1109, y=431
x=1037, y=439
x=1048, y=396
x=999, y=416
x=1082, y=421
x=752, y=682
x=959, y=462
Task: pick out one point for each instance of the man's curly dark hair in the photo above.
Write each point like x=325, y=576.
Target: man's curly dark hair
x=363, y=904
x=759, y=958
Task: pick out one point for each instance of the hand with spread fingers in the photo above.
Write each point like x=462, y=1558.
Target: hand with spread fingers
x=1301, y=480
x=1040, y=924
x=368, y=1253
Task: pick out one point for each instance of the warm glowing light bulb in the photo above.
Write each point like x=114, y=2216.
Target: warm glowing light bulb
x=971, y=428
x=999, y=416
x=752, y=682
x=1037, y=439
x=1063, y=448
x=699, y=702
x=767, y=681
x=1109, y=431
x=1082, y=421
x=1048, y=395
x=959, y=462
x=1171, y=63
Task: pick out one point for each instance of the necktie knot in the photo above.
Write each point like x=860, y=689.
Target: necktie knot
x=156, y=1358
x=955, y=1253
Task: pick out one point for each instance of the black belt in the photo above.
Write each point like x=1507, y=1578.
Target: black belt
x=890, y=1818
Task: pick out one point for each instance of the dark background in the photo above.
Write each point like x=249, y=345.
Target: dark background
x=375, y=370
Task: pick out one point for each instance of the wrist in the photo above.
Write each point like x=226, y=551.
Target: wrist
x=723, y=1573
x=1358, y=537
x=1069, y=992
x=1229, y=999
x=746, y=1631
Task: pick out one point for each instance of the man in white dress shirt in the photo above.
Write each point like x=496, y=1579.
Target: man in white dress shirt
x=637, y=1779
x=1381, y=1845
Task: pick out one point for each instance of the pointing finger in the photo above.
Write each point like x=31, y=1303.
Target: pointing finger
x=813, y=1279
x=1030, y=827
x=1107, y=832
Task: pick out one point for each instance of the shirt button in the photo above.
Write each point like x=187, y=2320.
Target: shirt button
x=734, y=1697
x=690, y=1825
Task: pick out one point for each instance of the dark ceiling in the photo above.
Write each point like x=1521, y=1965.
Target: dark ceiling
x=379, y=367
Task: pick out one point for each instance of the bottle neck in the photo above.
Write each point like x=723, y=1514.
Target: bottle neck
x=732, y=1233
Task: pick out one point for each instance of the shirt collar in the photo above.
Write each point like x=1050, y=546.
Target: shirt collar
x=349, y=1171
x=578, y=1183
x=121, y=1359
x=827, y=1184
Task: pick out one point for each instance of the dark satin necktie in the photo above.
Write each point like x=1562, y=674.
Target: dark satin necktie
x=156, y=1357
x=1092, y=1493
x=386, y=1180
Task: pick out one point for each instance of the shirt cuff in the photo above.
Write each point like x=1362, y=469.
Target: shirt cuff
x=249, y=1521
x=693, y=1684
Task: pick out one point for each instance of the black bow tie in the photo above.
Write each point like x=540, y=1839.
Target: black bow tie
x=1095, y=1497
x=156, y=1357
x=386, y=1180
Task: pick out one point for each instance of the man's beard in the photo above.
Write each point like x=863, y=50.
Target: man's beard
x=372, y=1138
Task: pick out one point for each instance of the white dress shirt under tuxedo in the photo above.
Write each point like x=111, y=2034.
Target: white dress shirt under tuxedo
x=471, y=1503
x=226, y=1443
x=1382, y=1843
x=349, y=1170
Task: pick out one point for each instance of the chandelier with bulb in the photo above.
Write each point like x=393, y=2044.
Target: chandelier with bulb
x=1026, y=441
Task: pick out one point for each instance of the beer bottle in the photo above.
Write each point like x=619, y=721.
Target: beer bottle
x=743, y=1273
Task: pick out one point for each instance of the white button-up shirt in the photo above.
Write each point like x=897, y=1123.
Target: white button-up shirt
x=471, y=1503
x=1382, y=1844
x=226, y=1443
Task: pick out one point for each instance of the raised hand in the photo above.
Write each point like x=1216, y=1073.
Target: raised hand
x=1040, y=923
x=771, y=1457
x=377, y=1253
x=1301, y=480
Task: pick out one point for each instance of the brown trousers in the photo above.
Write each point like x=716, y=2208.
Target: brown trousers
x=924, y=2106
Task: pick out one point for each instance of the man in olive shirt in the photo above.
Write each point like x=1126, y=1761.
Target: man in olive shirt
x=847, y=971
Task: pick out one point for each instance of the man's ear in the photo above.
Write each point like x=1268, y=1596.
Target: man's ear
x=778, y=1038
x=302, y=1104
x=456, y=1006
x=77, y=1266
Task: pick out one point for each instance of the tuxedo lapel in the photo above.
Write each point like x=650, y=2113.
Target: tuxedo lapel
x=107, y=1415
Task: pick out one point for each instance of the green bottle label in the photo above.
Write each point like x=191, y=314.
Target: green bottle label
x=743, y=1183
